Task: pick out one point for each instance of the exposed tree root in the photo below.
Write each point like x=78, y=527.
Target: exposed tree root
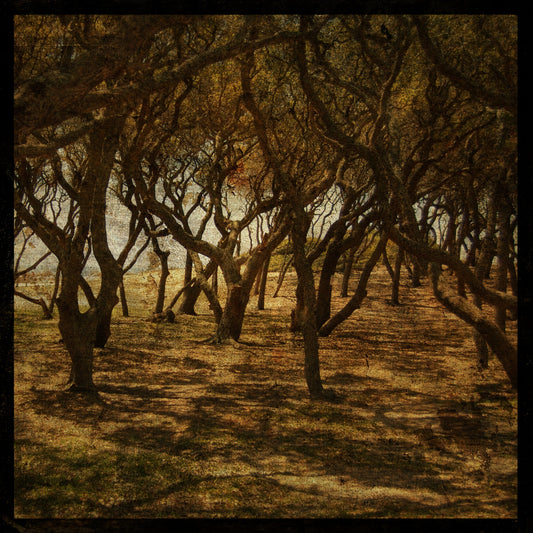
x=215, y=340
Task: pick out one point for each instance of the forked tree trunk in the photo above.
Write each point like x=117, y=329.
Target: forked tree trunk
x=101, y=154
x=192, y=293
x=238, y=293
x=336, y=247
x=78, y=331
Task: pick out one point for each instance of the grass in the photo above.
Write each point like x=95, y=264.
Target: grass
x=184, y=429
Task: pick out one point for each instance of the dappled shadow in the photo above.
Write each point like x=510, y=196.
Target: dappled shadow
x=160, y=438
x=137, y=391
x=81, y=407
x=188, y=430
x=345, y=378
x=191, y=362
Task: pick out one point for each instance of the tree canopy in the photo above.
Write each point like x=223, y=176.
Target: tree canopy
x=402, y=128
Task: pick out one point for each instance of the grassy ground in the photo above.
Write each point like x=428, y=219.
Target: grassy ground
x=190, y=430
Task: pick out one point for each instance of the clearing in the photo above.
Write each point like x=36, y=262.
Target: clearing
x=190, y=430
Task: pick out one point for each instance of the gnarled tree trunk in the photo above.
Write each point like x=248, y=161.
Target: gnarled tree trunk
x=193, y=291
x=230, y=325
x=77, y=329
x=471, y=314
x=306, y=297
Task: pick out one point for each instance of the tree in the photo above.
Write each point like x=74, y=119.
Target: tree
x=78, y=329
x=300, y=173
x=255, y=129
x=412, y=166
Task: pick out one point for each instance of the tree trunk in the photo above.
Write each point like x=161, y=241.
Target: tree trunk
x=503, y=261
x=161, y=288
x=103, y=328
x=257, y=283
x=513, y=281
x=481, y=270
x=56, y=289
x=190, y=297
x=123, y=300
x=281, y=276
x=178, y=294
x=296, y=313
x=78, y=331
x=323, y=297
x=490, y=332
x=386, y=262
x=395, y=293
x=87, y=291
x=461, y=287
x=214, y=282
x=482, y=349
x=230, y=325
x=106, y=301
x=263, y=284
x=192, y=293
x=348, y=266
x=306, y=297
x=360, y=293
x=416, y=273
x=187, y=274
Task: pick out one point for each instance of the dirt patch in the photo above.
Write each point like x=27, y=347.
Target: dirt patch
x=182, y=429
